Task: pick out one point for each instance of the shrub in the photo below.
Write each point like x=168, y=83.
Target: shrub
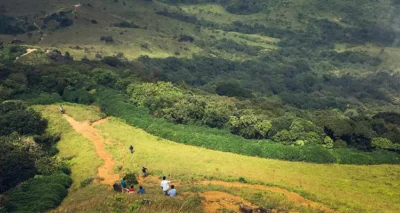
x=44, y=98
x=15, y=117
x=15, y=165
x=77, y=96
x=112, y=61
x=50, y=165
x=38, y=194
x=131, y=179
x=340, y=144
x=86, y=182
x=125, y=24
x=382, y=143
x=328, y=142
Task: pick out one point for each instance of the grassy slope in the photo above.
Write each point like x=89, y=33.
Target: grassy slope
x=345, y=187
x=83, y=159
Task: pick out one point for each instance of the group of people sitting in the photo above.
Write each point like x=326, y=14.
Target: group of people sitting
x=131, y=189
x=167, y=190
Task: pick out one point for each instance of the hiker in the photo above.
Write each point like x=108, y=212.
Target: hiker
x=144, y=171
x=141, y=190
x=131, y=189
x=61, y=109
x=165, y=185
x=123, y=185
x=172, y=192
x=131, y=149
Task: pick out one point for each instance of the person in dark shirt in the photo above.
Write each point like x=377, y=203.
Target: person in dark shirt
x=144, y=171
x=141, y=190
x=131, y=149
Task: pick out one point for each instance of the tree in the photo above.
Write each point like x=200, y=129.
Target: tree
x=217, y=113
x=382, y=143
x=104, y=77
x=15, y=164
x=249, y=126
x=328, y=142
x=15, y=117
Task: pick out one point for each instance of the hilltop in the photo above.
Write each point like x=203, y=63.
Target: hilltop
x=265, y=102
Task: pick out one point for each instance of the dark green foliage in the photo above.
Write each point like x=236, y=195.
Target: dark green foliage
x=104, y=77
x=231, y=46
x=113, y=103
x=77, y=96
x=125, y=24
x=62, y=18
x=39, y=194
x=186, y=38
x=112, y=61
x=131, y=179
x=389, y=117
x=232, y=89
x=16, y=165
x=12, y=26
x=15, y=117
x=47, y=141
x=42, y=98
x=86, y=182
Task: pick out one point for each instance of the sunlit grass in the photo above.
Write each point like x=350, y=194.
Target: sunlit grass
x=73, y=146
x=347, y=188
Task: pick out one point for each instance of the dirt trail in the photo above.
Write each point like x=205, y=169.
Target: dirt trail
x=291, y=196
x=215, y=201
x=105, y=172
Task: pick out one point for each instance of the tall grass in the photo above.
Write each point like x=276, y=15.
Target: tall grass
x=116, y=104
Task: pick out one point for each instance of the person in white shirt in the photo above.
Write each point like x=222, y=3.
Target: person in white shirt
x=172, y=192
x=165, y=185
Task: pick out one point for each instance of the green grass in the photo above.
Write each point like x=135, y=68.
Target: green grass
x=83, y=113
x=371, y=185
x=74, y=147
x=347, y=188
x=115, y=104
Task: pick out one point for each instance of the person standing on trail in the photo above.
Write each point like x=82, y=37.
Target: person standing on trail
x=61, y=109
x=123, y=185
x=144, y=171
x=172, y=192
x=131, y=149
x=165, y=185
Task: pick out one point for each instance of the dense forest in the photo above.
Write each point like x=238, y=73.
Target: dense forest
x=216, y=94
x=32, y=178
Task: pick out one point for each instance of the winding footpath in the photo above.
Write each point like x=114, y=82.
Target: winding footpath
x=213, y=200
x=106, y=171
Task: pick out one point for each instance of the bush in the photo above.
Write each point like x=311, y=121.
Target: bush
x=86, y=182
x=42, y=98
x=15, y=117
x=112, y=61
x=131, y=179
x=39, y=194
x=15, y=165
x=125, y=24
x=340, y=144
x=78, y=96
x=382, y=143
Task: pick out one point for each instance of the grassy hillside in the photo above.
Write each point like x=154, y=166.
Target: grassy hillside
x=154, y=27
x=346, y=188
